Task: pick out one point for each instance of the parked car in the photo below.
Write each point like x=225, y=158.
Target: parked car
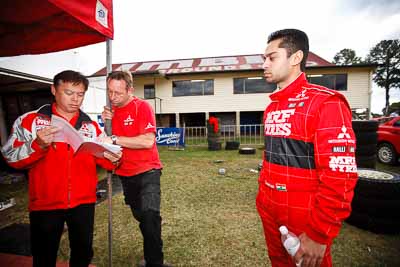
x=388, y=149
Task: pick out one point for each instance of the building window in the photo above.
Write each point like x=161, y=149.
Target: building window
x=193, y=87
x=252, y=85
x=332, y=81
x=149, y=91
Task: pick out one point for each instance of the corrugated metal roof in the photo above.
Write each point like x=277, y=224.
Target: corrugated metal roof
x=203, y=65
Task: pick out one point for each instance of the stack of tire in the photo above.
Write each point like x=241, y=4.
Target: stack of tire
x=213, y=138
x=367, y=139
x=232, y=145
x=376, y=202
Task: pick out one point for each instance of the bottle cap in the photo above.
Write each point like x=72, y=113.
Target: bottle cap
x=283, y=229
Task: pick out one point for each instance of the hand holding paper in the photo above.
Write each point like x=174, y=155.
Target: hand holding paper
x=70, y=135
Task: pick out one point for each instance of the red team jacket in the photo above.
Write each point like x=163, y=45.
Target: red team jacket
x=57, y=178
x=309, y=147
x=133, y=119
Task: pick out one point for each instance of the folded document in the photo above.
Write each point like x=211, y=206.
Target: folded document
x=70, y=135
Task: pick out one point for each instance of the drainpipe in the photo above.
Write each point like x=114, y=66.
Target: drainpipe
x=369, y=95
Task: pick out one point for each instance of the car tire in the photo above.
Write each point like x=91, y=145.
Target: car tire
x=378, y=184
x=366, y=161
x=373, y=224
x=375, y=207
x=214, y=146
x=365, y=126
x=232, y=145
x=247, y=150
x=366, y=150
x=366, y=138
x=387, y=154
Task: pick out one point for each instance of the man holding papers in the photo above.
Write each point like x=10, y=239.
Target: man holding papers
x=62, y=184
x=134, y=129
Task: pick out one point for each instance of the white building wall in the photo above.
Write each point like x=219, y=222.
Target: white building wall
x=358, y=85
x=223, y=100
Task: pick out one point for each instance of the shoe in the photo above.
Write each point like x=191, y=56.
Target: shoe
x=142, y=263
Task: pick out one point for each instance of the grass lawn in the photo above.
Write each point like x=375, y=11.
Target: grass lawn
x=210, y=219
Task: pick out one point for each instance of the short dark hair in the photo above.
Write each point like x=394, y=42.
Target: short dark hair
x=292, y=40
x=70, y=76
x=121, y=75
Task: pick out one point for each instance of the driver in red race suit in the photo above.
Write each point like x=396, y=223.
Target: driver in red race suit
x=309, y=170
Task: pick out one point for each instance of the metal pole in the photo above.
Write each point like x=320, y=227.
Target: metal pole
x=108, y=130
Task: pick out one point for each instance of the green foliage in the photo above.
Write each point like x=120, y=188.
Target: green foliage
x=394, y=107
x=386, y=54
x=346, y=57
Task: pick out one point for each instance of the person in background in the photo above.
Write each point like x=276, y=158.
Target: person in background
x=134, y=129
x=309, y=170
x=62, y=186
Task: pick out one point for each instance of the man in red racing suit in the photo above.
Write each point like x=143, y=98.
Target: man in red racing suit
x=309, y=169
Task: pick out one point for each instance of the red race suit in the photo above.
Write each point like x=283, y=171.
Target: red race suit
x=309, y=169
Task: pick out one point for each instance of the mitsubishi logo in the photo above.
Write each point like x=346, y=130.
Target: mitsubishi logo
x=149, y=126
x=344, y=133
x=302, y=94
x=128, y=121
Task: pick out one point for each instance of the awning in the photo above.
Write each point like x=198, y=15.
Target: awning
x=43, y=26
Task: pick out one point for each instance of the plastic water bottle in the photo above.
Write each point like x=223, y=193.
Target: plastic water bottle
x=290, y=241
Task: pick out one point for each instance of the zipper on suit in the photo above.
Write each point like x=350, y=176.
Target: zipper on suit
x=69, y=176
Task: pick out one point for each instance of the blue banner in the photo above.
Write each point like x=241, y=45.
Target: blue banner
x=100, y=121
x=170, y=137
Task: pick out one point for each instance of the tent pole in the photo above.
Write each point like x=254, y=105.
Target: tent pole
x=108, y=130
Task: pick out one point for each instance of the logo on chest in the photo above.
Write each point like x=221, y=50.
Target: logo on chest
x=277, y=122
x=128, y=121
x=300, y=96
x=41, y=122
x=85, y=130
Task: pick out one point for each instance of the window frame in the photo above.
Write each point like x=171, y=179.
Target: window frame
x=335, y=80
x=245, y=90
x=153, y=88
x=188, y=91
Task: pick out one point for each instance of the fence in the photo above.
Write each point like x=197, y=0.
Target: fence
x=251, y=134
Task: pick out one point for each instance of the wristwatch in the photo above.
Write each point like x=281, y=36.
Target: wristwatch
x=114, y=139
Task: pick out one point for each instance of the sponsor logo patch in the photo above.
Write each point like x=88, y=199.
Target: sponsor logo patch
x=342, y=137
x=343, y=164
x=277, y=123
x=280, y=187
x=338, y=149
x=85, y=130
x=300, y=97
x=128, y=121
x=41, y=122
x=149, y=126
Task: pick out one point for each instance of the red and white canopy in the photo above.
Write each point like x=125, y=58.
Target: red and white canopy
x=43, y=26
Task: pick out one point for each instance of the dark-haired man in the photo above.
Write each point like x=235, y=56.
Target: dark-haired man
x=134, y=129
x=309, y=170
x=62, y=186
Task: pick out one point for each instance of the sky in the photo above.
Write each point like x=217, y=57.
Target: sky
x=176, y=29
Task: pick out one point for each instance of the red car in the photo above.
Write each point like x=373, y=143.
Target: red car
x=389, y=140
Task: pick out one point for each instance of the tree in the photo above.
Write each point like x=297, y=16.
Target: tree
x=394, y=108
x=346, y=57
x=386, y=54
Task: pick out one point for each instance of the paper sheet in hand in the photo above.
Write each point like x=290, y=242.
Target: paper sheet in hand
x=70, y=135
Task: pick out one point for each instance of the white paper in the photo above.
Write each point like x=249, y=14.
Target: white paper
x=68, y=134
